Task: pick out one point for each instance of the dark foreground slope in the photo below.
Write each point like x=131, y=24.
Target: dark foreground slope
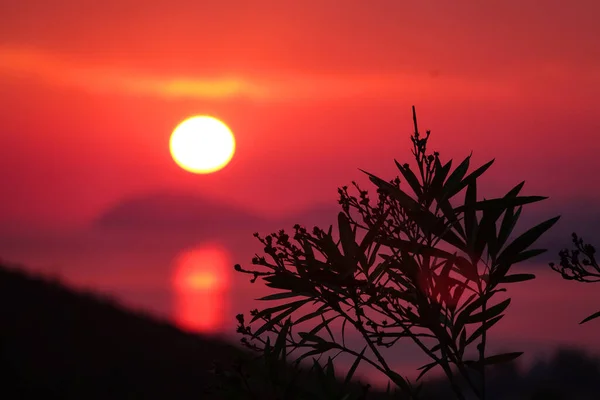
x=59, y=343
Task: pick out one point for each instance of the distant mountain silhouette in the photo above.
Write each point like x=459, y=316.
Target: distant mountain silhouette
x=185, y=212
x=174, y=211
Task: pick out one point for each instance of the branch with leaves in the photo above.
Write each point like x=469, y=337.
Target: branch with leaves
x=400, y=268
x=573, y=267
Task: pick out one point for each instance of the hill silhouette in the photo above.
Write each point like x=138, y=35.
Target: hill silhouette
x=69, y=344
x=60, y=343
x=177, y=211
x=186, y=212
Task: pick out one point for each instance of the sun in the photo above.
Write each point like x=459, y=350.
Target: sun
x=202, y=144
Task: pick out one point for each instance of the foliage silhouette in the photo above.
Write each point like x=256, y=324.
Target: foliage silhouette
x=416, y=268
x=585, y=270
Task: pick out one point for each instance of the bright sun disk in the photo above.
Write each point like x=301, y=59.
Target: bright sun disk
x=202, y=144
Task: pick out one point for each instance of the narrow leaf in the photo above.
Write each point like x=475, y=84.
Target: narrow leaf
x=274, y=320
x=410, y=178
x=275, y=309
x=455, y=178
x=284, y=295
x=517, y=278
x=352, y=369
x=426, y=368
x=472, y=177
x=347, y=237
x=483, y=328
x=502, y=358
x=470, y=214
x=525, y=240
x=489, y=313
x=591, y=317
x=504, y=202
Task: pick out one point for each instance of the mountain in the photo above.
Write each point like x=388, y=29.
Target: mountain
x=185, y=213
x=174, y=211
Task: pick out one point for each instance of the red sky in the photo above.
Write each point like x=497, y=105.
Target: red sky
x=90, y=92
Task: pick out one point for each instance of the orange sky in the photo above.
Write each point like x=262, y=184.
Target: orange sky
x=313, y=90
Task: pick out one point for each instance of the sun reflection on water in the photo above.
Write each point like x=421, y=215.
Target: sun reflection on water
x=201, y=281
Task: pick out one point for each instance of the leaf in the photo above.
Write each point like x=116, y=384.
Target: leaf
x=410, y=178
x=331, y=250
x=489, y=313
x=274, y=320
x=312, y=335
x=413, y=247
x=509, y=221
x=405, y=200
x=486, y=232
x=435, y=190
x=472, y=304
x=347, y=237
x=515, y=191
x=316, y=351
x=472, y=177
x=424, y=218
x=279, y=346
x=527, y=254
x=275, y=309
x=470, y=215
x=450, y=215
x=370, y=237
x=498, y=273
x=517, y=278
x=288, y=281
x=327, y=328
x=591, y=317
x=482, y=328
x=378, y=271
x=502, y=358
x=425, y=368
x=313, y=314
x=284, y=295
x=462, y=343
x=525, y=240
x=455, y=178
x=398, y=380
x=503, y=202
x=352, y=369
x=330, y=369
x=466, y=268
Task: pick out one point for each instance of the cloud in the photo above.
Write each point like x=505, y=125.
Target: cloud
x=50, y=68
x=44, y=66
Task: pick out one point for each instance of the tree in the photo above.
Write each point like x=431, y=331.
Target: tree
x=585, y=270
x=417, y=268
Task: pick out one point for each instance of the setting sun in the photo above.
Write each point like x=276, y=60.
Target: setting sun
x=202, y=145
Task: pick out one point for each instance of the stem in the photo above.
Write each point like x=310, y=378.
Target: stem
x=483, y=343
x=443, y=362
x=377, y=354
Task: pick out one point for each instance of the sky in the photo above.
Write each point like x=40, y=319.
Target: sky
x=313, y=90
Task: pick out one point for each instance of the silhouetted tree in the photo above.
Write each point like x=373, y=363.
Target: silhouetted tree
x=402, y=267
